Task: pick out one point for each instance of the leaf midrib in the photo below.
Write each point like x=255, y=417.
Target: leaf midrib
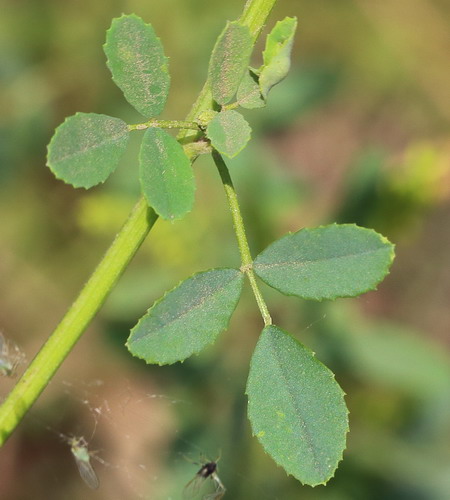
x=305, y=262
x=181, y=314
x=111, y=139
x=287, y=385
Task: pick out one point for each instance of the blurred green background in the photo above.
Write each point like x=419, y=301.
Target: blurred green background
x=358, y=132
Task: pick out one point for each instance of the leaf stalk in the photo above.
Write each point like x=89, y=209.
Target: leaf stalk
x=239, y=228
x=113, y=264
x=187, y=125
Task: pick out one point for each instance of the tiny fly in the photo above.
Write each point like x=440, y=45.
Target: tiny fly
x=82, y=456
x=207, y=470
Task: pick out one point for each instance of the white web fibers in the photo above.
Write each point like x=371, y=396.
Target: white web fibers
x=130, y=435
x=123, y=429
x=11, y=357
x=135, y=443
x=133, y=429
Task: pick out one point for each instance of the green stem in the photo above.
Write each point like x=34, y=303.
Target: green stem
x=255, y=15
x=232, y=105
x=239, y=228
x=77, y=318
x=165, y=124
x=127, y=242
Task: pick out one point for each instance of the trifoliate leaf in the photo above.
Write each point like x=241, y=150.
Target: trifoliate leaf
x=229, y=133
x=86, y=148
x=296, y=407
x=277, y=54
x=229, y=61
x=137, y=63
x=326, y=262
x=166, y=175
x=188, y=318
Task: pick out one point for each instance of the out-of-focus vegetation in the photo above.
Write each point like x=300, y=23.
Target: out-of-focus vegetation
x=359, y=132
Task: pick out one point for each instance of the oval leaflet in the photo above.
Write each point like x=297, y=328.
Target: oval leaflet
x=86, y=148
x=135, y=57
x=229, y=133
x=166, y=175
x=229, y=61
x=188, y=318
x=296, y=407
x=326, y=262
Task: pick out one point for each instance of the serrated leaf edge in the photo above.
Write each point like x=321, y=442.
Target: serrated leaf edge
x=294, y=18
x=239, y=101
x=243, y=146
x=55, y=134
x=211, y=66
x=196, y=353
x=386, y=270
x=166, y=58
x=261, y=69
x=150, y=202
x=343, y=393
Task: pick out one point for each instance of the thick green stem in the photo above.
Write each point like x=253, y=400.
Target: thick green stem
x=165, y=124
x=77, y=318
x=255, y=15
x=239, y=228
x=91, y=298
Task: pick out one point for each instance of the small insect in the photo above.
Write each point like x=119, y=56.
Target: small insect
x=82, y=456
x=10, y=357
x=207, y=470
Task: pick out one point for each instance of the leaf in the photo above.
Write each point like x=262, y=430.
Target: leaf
x=86, y=148
x=326, y=262
x=188, y=318
x=277, y=54
x=296, y=407
x=166, y=175
x=136, y=59
x=248, y=94
x=229, y=61
x=229, y=133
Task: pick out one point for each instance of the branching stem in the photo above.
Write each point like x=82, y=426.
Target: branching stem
x=239, y=228
x=116, y=259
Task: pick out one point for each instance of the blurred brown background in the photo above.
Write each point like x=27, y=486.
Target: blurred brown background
x=358, y=132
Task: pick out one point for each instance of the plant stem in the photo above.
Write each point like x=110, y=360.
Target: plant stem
x=255, y=15
x=94, y=293
x=232, y=105
x=77, y=318
x=165, y=124
x=239, y=228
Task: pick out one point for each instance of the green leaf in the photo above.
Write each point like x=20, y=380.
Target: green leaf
x=166, y=175
x=229, y=133
x=229, y=61
x=296, y=407
x=86, y=148
x=326, y=262
x=136, y=59
x=248, y=94
x=277, y=54
x=188, y=318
